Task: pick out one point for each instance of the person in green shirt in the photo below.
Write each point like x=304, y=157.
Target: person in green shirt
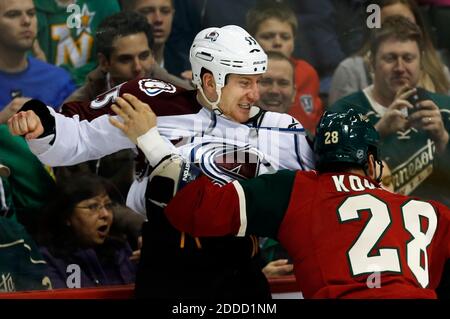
x=6, y=205
x=66, y=32
x=21, y=264
x=30, y=183
x=414, y=133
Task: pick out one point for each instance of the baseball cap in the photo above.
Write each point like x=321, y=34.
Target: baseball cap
x=4, y=171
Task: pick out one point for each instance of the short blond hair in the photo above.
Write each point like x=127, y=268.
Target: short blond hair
x=270, y=10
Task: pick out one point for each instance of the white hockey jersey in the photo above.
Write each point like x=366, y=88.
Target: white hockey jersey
x=224, y=150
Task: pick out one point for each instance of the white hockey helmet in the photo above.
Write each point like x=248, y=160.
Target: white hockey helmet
x=226, y=50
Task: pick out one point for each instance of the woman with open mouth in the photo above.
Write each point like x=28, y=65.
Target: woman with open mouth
x=75, y=237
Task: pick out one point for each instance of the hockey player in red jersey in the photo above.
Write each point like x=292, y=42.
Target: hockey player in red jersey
x=348, y=237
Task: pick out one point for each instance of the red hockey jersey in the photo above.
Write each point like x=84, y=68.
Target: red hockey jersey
x=348, y=238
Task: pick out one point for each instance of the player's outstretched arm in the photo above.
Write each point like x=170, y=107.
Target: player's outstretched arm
x=255, y=206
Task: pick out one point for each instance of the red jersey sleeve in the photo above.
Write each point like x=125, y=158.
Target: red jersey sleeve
x=205, y=209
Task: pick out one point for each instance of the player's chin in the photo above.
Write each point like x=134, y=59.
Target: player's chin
x=242, y=116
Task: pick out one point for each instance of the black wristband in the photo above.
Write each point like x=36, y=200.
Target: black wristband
x=41, y=110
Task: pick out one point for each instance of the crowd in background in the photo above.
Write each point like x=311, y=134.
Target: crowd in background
x=321, y=56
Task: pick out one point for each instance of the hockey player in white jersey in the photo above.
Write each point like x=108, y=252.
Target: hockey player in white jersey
x=217, y=126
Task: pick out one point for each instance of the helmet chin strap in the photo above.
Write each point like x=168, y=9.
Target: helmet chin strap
x=214, y=105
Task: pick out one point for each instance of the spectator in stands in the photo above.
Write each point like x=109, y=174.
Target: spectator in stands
x=159, y=14
x=277, y=85
x=355, y=73
x=76, y=230
x=22, y=76
x=66, y=30
x=414, y=135
x=21, y=266
x=124, y=42
x=115, y=169
x=318, y=40
x=30, y=183
x=274, y=26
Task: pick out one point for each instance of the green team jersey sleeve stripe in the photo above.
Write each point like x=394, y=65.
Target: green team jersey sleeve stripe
x=256, y=206
x=266, y=201
x=242, y=209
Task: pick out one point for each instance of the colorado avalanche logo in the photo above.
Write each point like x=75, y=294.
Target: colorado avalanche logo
x=224, y=162
x=212, y=36
x=154, y=87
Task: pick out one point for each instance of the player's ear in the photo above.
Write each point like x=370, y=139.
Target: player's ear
x=208, y=82
x=371, y=170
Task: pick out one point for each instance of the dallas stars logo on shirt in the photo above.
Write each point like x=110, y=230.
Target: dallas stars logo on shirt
x=70, y=50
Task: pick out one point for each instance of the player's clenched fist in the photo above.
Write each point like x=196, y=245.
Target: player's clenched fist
x=26, y=123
